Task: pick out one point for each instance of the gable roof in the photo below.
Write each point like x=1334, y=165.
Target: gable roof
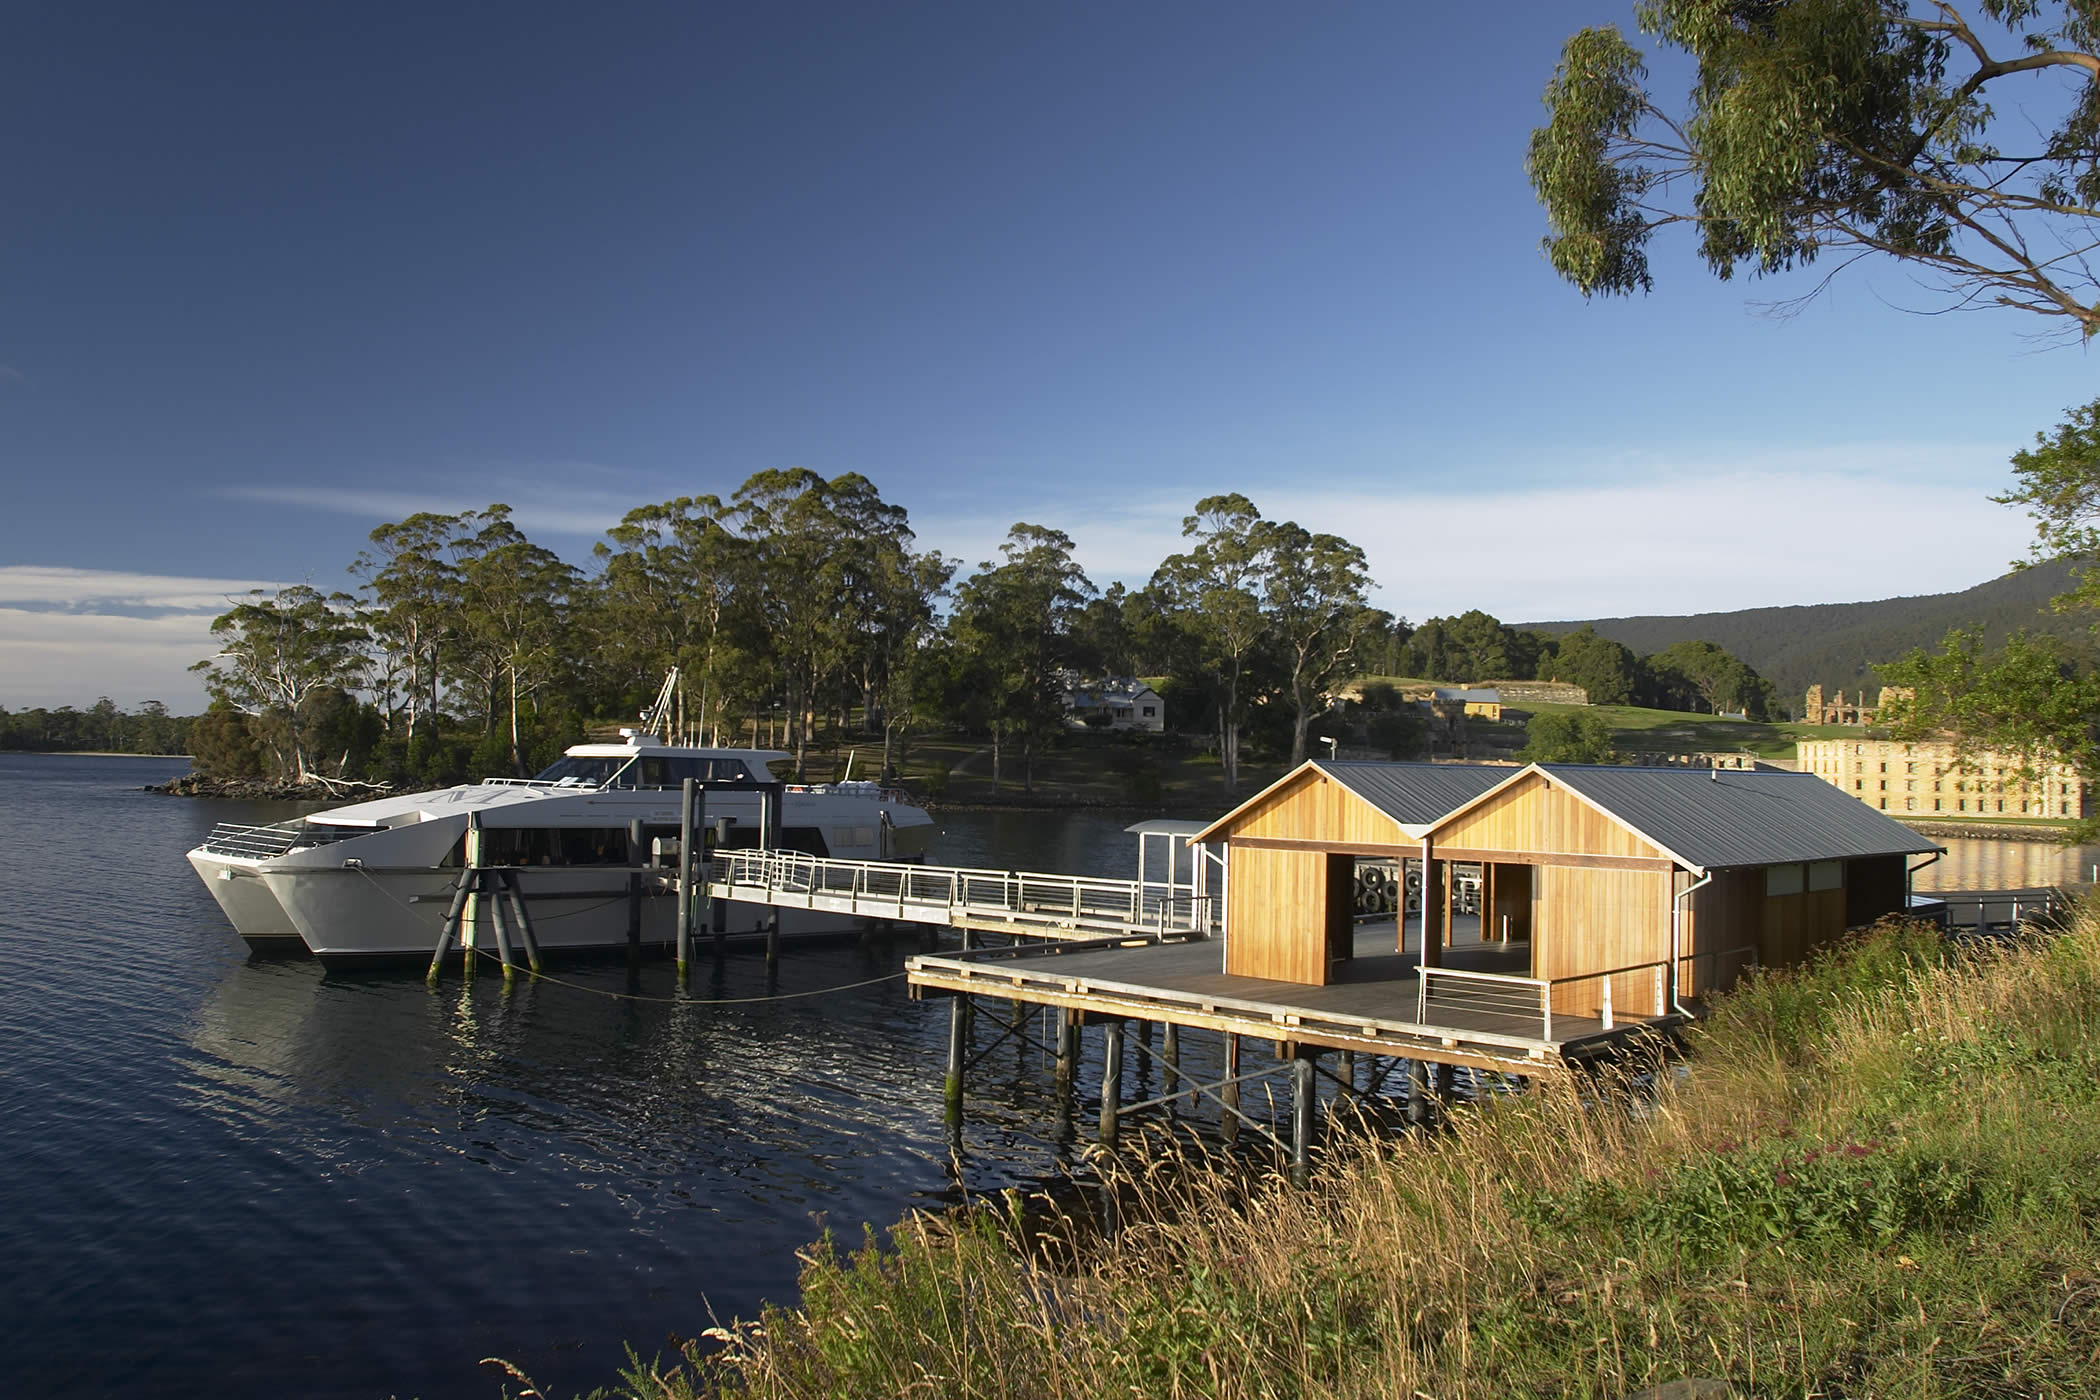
x=1713, y=818
x=1414, y=795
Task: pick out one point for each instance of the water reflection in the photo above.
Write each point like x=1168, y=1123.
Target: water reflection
x=1974, y=864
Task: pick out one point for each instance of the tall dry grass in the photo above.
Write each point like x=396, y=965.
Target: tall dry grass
x=1878, y=1177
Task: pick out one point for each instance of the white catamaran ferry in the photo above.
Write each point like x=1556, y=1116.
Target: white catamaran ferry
x=372, y=882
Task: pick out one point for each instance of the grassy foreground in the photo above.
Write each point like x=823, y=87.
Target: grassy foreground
x=1880, y=1177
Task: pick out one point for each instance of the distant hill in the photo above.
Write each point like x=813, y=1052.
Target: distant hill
x=1838, y=644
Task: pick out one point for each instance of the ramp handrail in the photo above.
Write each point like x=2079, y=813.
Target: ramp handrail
x=1024, y=897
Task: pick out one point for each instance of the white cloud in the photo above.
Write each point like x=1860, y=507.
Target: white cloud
x=533, y=509
x=65, y=658
x=1707, y=540
x=101, y=589
x=69, y=635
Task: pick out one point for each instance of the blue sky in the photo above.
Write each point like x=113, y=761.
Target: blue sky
x=271, y=275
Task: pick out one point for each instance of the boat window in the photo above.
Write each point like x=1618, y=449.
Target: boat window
x=566, y=845
x=659, y=772
x=581, y=771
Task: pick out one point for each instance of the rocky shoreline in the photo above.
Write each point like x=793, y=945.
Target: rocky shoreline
x=267, y=789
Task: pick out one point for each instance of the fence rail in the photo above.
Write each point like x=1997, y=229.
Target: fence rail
x=1023, y=901
x=1528, y=1001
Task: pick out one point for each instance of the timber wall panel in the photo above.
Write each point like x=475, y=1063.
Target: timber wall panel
x=1587, y=920
x=1317, y=808
x=1874, y=885
x=1536, y=817
x=1275, y=919
x=1727, y=914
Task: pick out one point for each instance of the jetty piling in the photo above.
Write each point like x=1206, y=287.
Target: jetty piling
x=637, y=834
x=491, y=886
x=523, y=920
x=686, y=828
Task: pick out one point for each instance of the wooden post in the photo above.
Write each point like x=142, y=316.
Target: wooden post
x=526, y=933
x=686, y=833
x=721, y=910
x=1448, y=887
x=1111, y=1080
x=470, y=919
x=773, y=941
x=452, y=915
x=491, y=883
x=1145, y=1065
x=1445, y=1075
x=1067, y=1056
x=1232, y=1088
x=958, y=1046
x=1345, y=1070
x=1418, y=1111
x=1170, y=1056
x=636, y=835
x=1304, y=1095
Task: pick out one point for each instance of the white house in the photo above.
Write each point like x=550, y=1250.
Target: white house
x=1128, y=702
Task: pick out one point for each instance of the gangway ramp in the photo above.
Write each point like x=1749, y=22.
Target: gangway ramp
x=1021, y=903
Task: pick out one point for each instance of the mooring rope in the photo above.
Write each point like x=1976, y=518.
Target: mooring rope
x=637, y=996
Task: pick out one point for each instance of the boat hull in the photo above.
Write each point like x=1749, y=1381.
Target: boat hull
x=357, y=917
x=256, y=914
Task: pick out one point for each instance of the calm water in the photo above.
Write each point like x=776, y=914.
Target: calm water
x=231, y=1178
x=223, y=1177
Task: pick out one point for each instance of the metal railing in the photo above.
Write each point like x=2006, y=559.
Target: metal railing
x=1702, y=986
x=950, y=894
x=1983, y=911
x=260, y=842
x=1528, y=1001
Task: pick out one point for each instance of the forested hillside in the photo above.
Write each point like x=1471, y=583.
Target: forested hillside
x=1838, y=644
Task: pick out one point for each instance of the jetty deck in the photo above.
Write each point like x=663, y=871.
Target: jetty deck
x=1483, y=1011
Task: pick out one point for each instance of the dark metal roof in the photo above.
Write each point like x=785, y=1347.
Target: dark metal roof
x=1714, y=818
x=1415, y=794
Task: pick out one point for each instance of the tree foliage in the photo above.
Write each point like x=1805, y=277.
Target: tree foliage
x=1012, y=633
x=1567, y=736
x=278, y=654
x=1847, y=127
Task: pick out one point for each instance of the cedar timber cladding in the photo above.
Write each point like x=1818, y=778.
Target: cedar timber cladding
x=1291, y=904
x=1586, y=916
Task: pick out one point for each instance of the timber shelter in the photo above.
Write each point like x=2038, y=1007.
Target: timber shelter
x=1640, y=887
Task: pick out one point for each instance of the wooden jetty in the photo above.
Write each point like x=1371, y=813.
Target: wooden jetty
x=1611, y=899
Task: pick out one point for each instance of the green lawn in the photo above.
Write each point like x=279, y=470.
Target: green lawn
x=1639, y=730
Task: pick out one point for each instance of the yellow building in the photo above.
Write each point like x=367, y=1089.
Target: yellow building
x=1928, y=779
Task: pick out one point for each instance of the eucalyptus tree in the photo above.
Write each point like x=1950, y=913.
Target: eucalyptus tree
x=670, y=578
x=888, y=599
x=1315, y=589
x=1011, y=632
x=830, y=578
x=1214, y=589
x=412, y=602
x=278, y=651
x=515, y=597
x=1852, y=127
